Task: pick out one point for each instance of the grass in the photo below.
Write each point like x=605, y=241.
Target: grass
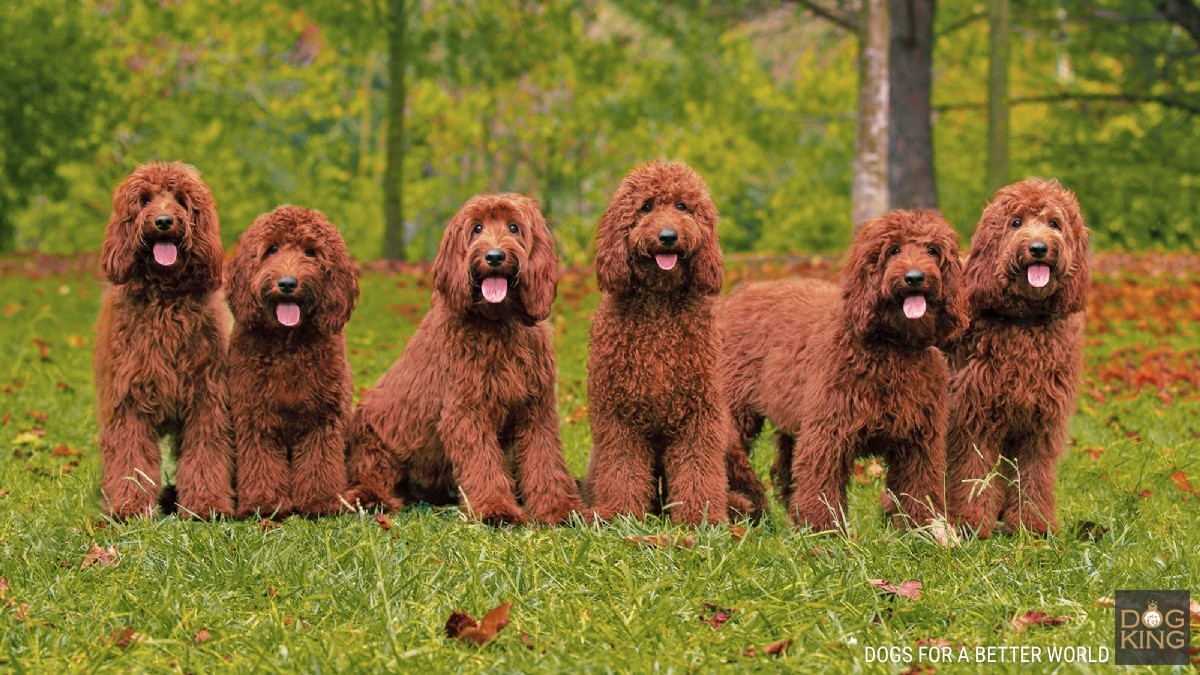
x=346, y=594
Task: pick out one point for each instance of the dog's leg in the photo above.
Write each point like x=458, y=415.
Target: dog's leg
x=974, y=488
x=695, y=471
x=620, y=477
x=473, y=446
x=781, y=470
x=916, y=474
x=132, y=465
x=263, y=473
x=1029, y=499
x=372, y=470
x=204, y=478
x=744, y=483
x=547, y=487
x=820, y=470
x=319, y=470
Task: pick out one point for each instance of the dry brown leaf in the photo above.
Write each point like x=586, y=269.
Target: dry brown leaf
x=1106, y=602
x=22, y=612
x=267, y=524
x=4, y=588
x=774, y=649
x=461, y=626
x=105, y=557
x=124, y=637
x=719, y=615
x=1023, y=622
x=665, y=541
x=1181, y=481
x=907, y=589
x=737, y=532
x=201, y=636
x=944, y=533
x=384, y=521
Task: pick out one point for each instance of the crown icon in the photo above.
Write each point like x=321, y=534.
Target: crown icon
x=1152, y=606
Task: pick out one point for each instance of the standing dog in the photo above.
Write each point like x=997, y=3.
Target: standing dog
x=1018, y=366
x=472, y=399
x=160, y=347
x=292, y=289
x=655, y=408
x=850, y=371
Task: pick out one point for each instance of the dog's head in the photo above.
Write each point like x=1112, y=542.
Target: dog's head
x=497, y=259
x=659, y=233
x=1029, y=254
x=163, y=230
x=292, y=272
x=903, y=280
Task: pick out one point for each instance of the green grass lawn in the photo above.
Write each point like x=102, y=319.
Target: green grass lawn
x=345, y=593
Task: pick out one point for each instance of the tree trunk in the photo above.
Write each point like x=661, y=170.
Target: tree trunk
x=393, y=189
x=911, y=182
x=869, y=191
x=997, y=167
x=8, y=233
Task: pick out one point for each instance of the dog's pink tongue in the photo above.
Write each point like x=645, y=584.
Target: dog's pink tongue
x=494, y=289
x=288, y=313
x=666, y=260
x=914, y=306
x=1038, y=274
x=165, y=253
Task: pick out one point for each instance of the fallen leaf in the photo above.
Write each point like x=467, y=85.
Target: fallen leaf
x=43, y=348
x=105, y=557
x=4, y=588
x=76, y=341
x=1180, y=480
x=1195, y=612
x=201, y=636
x=28, y=437
x=22, y=612
x=290, y=620
x=526, y=641
x=461, y=626
x=1094, y=453
x=1145, y=494
x=61, y=450
x=1086, y=530
x=737, y=532
x=267, y=524
x=37, y=415
x=271, y=592
x=1106, y=602
x=719, y=615
x=774, y=649
x=944, y=534
x=124, y=636
x=1024, y=621
x=384, y=521
x=665, y=541
x=907, y=589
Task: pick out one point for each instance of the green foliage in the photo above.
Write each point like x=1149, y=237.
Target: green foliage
x=284, y=101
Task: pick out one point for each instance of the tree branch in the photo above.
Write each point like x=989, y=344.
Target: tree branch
x=1183, y=13
x=963, y=22
x=844, y=21
x=1165, y=101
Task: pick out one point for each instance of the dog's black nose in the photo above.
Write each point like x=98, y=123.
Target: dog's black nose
x=288, y=284
x=164, y=222
x=668, y=237
x=914, y=277
x=1038, y=249
x=494, y=257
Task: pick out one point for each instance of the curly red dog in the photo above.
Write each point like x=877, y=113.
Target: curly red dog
x=654, y=404
x=161, y=347
x=472, y=398
x=850, y=371
x=292, y=288
x=1019, y=363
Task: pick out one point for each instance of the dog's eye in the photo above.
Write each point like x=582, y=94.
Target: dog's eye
x=895, y=250
x=1055, y=225
x=180, y=200
x=648, y=206
x=478, y=228
x=933, y=251
x=1016, y=222
x=512, y=227
x=681, y=206
x=144, y=199
x=271, y=250
x=310, y=253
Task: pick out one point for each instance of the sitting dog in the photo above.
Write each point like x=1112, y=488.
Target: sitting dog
x=849, y=371
x=160, y=347
x=291, y=288
x=1018, y=366
x=655, y=408
x=472, y=398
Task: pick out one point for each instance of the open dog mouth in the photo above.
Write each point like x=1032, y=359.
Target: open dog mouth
x=494, y=289
x=287, y=313
x=165, y=253
x=914, y=306
x=666, y=260
x=1038, y=274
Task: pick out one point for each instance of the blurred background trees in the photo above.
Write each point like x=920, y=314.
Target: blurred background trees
x=287, y=101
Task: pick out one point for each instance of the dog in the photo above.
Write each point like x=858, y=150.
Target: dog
x=471, y=401
x=654, y=402
x=160, y=359
x=292, y=289
x=1018, y=366
x=849, y=369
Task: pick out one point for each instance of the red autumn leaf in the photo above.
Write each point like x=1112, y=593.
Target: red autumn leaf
x=123, y=637
x=719, y=615
x=461, y=626
x=37, y=415
x=43, y=348
x=1180, y=480
x=1145, y=494
x=1030, y=619
x=526, y=641
x=1194, y=608
x=267, y=524
x=105, y=557
x=22, y=611
x=665, y=541
x=201, y=636
x=384, y=521
x=737, y=532
x=907, y=589
x=61, y=450
x=290, y=620
x=774, y=649
x=1094, y=453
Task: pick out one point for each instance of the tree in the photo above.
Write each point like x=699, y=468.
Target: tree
x=393, y=232
x=911, y=179
x=869, y=187
x=997, y=169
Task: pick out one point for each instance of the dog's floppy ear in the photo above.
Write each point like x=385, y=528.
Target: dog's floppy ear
x=860, y=280
x=1078, y=278
x=207, y=255
x=239, y=276
x=340, y=292
x=122, y=232
x=539, y=277
x=983, y=272
x=450, y=278
x=708, y=267
x=953, y=319
x=612, y=242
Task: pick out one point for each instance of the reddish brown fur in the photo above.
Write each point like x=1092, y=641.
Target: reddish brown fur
x=471, y=401
x=844, y=373
x=654, y=404
x=160, y=348
x=290, y=387
x=1018, y=366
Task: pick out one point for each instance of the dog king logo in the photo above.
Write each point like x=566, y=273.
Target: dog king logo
x=1153, y=628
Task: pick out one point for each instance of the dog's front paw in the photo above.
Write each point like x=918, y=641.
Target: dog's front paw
x=367, y=499
x=499, y=514
x=205, y=507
